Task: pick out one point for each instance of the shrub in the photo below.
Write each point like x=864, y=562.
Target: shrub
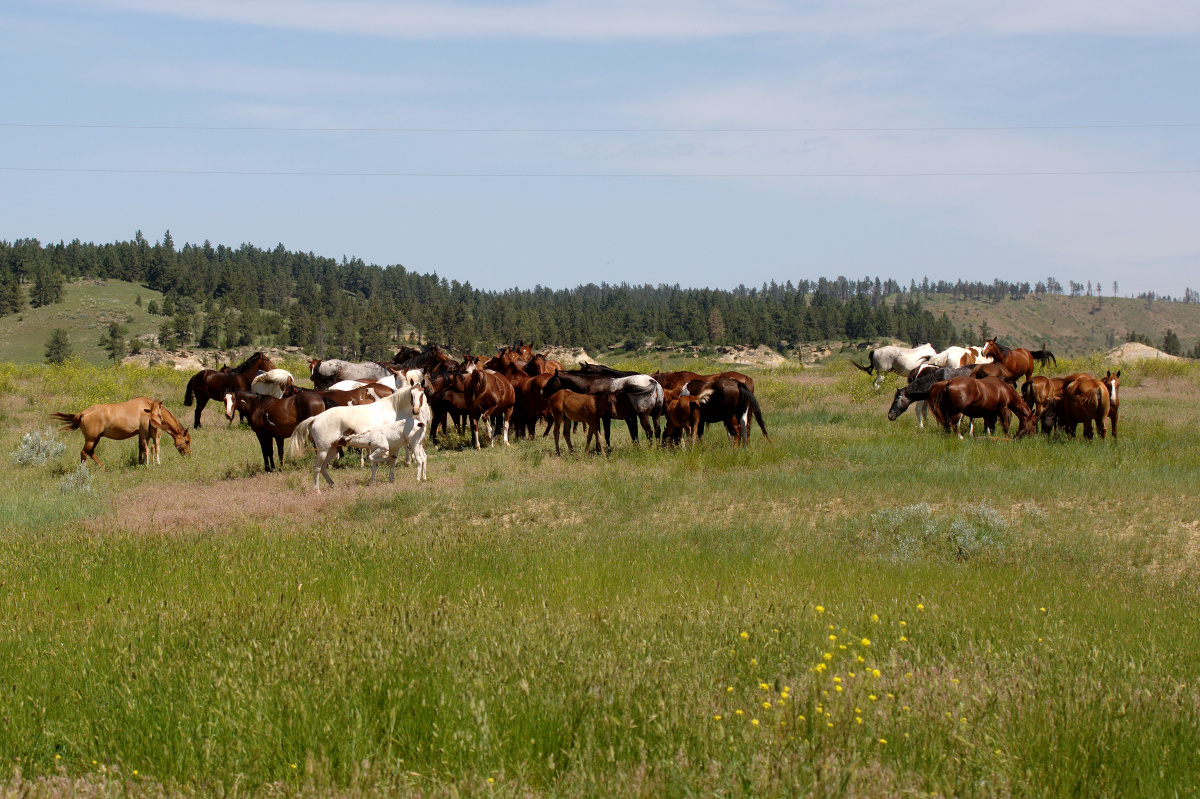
x=915, y=533
x=37, y=448
x=79, y=481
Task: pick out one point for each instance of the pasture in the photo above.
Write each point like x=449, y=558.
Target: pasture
x=853, y=609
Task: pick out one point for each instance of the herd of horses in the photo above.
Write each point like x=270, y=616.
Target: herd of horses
x=383, y=408
x=981, y=383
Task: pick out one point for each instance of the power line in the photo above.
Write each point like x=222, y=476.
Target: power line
x=600, y=175
x=298, y=129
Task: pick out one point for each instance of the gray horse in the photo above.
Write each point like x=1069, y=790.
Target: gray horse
x=325, y=373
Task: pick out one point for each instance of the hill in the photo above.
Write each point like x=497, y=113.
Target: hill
x=87, y=308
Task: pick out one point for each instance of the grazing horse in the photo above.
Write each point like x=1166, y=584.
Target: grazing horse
x=1019, y=361
x=917, y=390
x=385, y=442
x=162, y=419
x=274, y=383
x=640, y=398
x=1039, y=394
x=682, y=415
x=325, y=373
x=730, y=403
x=901, y=360
x=489, y=396
x=274, y=418
x=1112, y=382
x=982, y=370
x=212, y=384
x=677, y=380
x=1084, y=400
x=121, y=420
x=988, y=399
x=587, y=409
x=323, y=431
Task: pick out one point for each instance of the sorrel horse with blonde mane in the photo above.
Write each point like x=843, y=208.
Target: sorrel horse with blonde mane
x=139, y=417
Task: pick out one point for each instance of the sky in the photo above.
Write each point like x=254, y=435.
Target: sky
x=539, y=142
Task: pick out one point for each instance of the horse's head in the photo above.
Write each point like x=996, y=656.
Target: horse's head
x=991, y=349
x=900, y=404
x=264, y=363
x=1112, y=382
x=230, y=404
x=313, y=365
x=417, y=396
x=607, y=404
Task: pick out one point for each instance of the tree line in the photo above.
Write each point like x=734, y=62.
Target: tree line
x=222, y=296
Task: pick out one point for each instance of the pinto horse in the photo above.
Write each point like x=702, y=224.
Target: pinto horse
x=139, y=417
x=275, y=418
x=639, y=398
x=1019, y=361
x=988, y=399
x=212, y=384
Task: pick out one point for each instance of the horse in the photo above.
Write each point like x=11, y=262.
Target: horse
x=213, y=384
x=1019, y=361
x=488, y=395
x=958, y=356
x=325, y=373
x=917, y=390
x=539, y=364
x=901, y=360
x=677, y=380
x=640, y=398
x=163, y=419
x=273, y=383
x=352, y=392
x=121, y=420
x=431, y=360
x=1112, y=382
x=275, y=418
x=323, y=431
x=730, y=403
x=1084, y=400
x=988, y=399
x=682, y=414
x=992, y=369
x=1039, y=392
x=445, y=402
x=588, y=409
x=384, y=444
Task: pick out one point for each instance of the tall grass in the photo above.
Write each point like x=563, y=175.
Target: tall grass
x=853, y=609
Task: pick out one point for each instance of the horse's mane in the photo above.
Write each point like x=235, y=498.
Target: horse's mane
x=249, y=363
x=1003, y=350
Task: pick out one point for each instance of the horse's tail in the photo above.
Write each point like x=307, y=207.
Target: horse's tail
x=870, y=367
x=72, y=420
x=187, y=395
x=1042, y=356
x=749, y=397
x=934, y=402
x=300, y=439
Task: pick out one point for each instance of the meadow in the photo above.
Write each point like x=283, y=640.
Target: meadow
x=854, y=608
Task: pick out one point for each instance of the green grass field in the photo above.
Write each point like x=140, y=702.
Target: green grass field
x=854, y=608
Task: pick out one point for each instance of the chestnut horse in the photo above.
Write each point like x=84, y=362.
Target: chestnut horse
x=139, y=417
x=1084, y=400
x=988, y=399
x=211, y=384
x=587, y=409
x=1019, y=361
x=271, y=417
x=1039, y=393
x=489, y=396
x=677, y=380
x=1112, y=382
x=682, y=415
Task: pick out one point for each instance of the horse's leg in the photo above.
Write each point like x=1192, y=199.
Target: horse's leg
x=567, y=436
x=632, y=422
x=264, y=443
x=608, y=432
x=422, y=458
x=475, y=431
x=201, y=401
x=506, y=417
x=279, y=445
x=89, y=451
x=557, y=433
x=644, y=418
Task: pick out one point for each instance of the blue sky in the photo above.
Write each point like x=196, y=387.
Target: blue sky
x=559, y=143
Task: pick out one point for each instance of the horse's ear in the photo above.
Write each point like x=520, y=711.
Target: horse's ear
x=1118, y=373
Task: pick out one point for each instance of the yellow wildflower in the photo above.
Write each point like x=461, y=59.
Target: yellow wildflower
x=883, y=740
x=920, y=607
x=717, y=717
x=872, y=697
x=837, y=688
x=738, y=712
x=902, y=639
x=875, y=617
x=820, y=609
x=866, y=642
x=875, y=672
x=729, y=689
x=903, y=623
x=858, y=719
x=766, y=705
x=828, y=656
x=832, y=637
x=762, y=686
x=753, y=661
x=744, y=635
x=754, y=722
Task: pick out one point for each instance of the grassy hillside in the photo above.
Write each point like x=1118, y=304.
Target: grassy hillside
x=1073, y=325
x=85, y=312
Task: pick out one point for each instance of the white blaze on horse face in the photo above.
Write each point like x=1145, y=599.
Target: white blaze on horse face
x=228, y=406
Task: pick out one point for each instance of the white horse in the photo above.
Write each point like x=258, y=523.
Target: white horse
x=392, y=381
x=273, y=383
x=900, y=360
x=959, y=356
x=323, y=431
x=385, y=442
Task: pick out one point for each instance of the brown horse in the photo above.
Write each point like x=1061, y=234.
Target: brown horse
x=1084, y=400
x=980, y=371
x=676, y=380
x=1019, y=361
x=446, y=402
x=272, y=418
x=731, y=403
x=489, y=396
x=212, y=384
x=1112, y=382
x=1039, y=392
x=139, y=417
x=682, y=414
x=588, y=409
x=989, y=399
x=163, y=419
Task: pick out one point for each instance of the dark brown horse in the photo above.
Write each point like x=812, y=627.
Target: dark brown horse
x=489, y=396
x=1019, y=361
x=989, y=399
x=982, y=370
x=272, y=418
x=431, y=360
x=730, y=402
x=213, y=384
x=676, y=380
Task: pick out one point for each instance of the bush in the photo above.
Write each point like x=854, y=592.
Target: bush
x=37, y=448
x=915, y=533
x=79, y=481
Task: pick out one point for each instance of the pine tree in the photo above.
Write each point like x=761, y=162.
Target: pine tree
x=58, y=348
x=114, y=341
x=1171, y=344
